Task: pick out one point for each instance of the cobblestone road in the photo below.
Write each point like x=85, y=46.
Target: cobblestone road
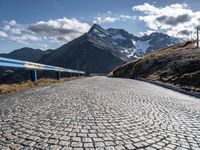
x=99, y=113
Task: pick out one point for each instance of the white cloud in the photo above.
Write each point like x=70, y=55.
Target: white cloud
x=24, y=38
x=18, y=33
x=61, y=30
x=44, y=47
x=127, y=17
x=110, y=18
x=175, y=19
x=12, y=27
x=148, y=32
x=105, y=19
x=3, y=35
x=58, y=30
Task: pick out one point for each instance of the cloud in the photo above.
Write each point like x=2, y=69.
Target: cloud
x=110, y=18
x=105, y=19
x=44, y=47
x=169, y=20
x=61, y=30
x=18, y=33
x=3, y=35
x=57, y=31
x=23, y=38
x=12, y=27
x=175, y=19
x=185, y=32
x=148, y=32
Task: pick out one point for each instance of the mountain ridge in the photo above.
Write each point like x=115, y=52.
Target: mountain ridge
x=26, y=54
x=101, y=50
x=122, y=40
x=130, y=45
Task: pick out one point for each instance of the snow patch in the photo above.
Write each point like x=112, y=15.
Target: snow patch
x=142, y=46
x=131, y=54
x=139, y=50
x=134, y=42
x=99, y=34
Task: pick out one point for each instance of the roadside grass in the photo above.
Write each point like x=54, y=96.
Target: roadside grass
x=8, y=88
x=177, y=65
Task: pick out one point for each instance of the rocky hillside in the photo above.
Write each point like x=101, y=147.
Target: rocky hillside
x=178, y=65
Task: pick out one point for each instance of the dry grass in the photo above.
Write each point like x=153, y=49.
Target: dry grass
x=178, y=65
x=189, y=88
x=8, y=88
x=166, y=52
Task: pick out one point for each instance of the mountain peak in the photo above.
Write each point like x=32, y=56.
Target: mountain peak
x=129, y=45
x=95, y=26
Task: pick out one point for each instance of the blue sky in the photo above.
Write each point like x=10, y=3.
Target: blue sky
x=50, y=23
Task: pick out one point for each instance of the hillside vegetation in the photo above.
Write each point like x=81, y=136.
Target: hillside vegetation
x=178, y=65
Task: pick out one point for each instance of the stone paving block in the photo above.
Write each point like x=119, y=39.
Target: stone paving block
x=76, y=144
x=88, y=145
x=16, y=146
x=64, y=143
x=99, y=113
x=28, y=143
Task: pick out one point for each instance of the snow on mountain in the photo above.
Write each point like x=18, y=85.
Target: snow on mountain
x=129, y=45
x=141, y=47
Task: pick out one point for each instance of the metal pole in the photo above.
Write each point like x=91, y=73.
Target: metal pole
x=70, y=74
x=58, y=75
x=197, y=37
x=34, y=76
x=78, y=68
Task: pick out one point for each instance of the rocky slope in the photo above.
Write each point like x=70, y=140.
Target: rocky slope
x=85, y=54
x=178, y=65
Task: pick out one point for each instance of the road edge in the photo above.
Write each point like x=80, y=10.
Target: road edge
x=172, y=87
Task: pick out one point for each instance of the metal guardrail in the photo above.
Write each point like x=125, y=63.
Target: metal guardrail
x=34, y=67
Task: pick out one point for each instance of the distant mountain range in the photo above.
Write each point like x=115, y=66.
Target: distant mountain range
x=27, y=54
x=97, y=51
x=128, y=45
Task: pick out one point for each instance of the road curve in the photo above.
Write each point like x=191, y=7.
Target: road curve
x=99, y=113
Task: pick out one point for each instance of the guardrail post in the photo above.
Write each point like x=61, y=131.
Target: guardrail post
x=70, y=75
x=197, y=37
x=34, y=76
x=77, y=74
x=58, y=75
